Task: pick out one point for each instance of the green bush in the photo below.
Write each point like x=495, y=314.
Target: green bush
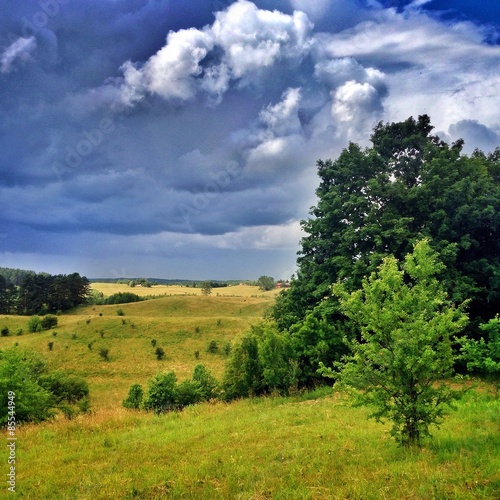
x=160, y=353
x=5, y=331
x=212, y=347
x=35, y=324
x=206, y=383
x=123, y=298
x=64, y=387
x=49, y=321
x=134, y=398
x=19, y=373
x=187, y=393
x=162, y=395
x=104, y=353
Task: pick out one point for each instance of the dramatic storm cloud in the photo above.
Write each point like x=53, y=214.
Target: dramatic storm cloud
x=179, y=139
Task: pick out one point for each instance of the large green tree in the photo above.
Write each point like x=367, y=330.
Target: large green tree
x=380, y=200
x=406, y=323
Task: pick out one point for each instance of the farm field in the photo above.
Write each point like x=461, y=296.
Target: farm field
x=167, y=290
x=308, y=446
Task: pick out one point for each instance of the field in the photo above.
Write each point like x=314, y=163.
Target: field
x=167, y=290
x=311, y=445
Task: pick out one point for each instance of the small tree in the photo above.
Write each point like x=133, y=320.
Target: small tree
x=34, y=324
x=404, y=353
x=265, y=283
x=206, y=288
x=134, y=398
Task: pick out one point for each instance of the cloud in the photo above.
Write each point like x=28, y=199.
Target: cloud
x=20, y=50
x=475, y=135
x=217, y=119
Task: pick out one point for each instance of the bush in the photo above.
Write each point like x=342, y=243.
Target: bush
x=35, y=324
x=120, y=313
x=49, y=321
x=206, y=383
x=69, y=388
x=5, y=331
x=104, y=353
x=187, y=393
x=123, y=298
x=160, y=353
x=162, y=395
x=212, y=347
x=134, y=398
x=19, y=373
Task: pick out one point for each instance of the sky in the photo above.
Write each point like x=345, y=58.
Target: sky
x=179, y=139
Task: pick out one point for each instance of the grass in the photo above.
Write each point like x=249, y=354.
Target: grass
x=167, y=290
x=308, y=446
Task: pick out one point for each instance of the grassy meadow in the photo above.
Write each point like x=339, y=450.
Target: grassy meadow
x=308, y=446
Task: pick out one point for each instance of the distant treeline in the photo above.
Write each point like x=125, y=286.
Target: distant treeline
x=164, y=281
x=27, y=292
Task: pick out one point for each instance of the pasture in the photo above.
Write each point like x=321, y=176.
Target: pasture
x=312, y=445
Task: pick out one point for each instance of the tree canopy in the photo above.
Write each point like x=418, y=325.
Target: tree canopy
x=379, y=201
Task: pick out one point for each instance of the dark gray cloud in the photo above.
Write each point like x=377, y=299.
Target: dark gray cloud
x=160, y=136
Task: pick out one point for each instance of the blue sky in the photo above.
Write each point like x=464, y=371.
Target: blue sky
x=179, y=139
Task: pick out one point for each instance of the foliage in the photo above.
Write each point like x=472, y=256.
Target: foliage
x=263, y=362
x=162, y=395
x=318, y=341
x=49, y=321
x=160, y=353
x=34, y=324
x=206, y=383
x=104, y=353
x=41, y=293
x=206, y=288
x=134, y=398
x=165, y=394
x=483, y=356
x=213, y=347
x=64, y=387
x=379, y=201
x=37, y=392
x=265, y=283
x=405, y=322
x=123, y=298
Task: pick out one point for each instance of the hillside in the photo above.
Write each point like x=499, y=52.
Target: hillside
x=311, y=445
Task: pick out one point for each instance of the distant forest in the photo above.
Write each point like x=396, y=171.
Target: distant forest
x=27, y=292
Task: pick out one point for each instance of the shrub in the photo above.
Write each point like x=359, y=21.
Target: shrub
x=50, y=345
x=187, y=393
x=35, y=324
x=134, y=398
x=161, y=396
x=212, y=346
x=104, y=353
x=5, y=331
x=64, y=387
x=160, y=353
x=49, y=321
x=207, y=384
x=120, y=313
x=123, y=298
x=19, y=373
x=153, y=343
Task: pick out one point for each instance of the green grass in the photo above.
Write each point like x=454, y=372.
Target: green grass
x=309, y=446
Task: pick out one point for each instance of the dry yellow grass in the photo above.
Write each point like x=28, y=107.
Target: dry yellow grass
x=166, y=290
